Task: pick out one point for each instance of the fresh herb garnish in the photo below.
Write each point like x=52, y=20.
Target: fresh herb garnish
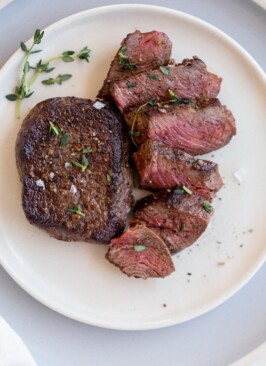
x=84, y=163
x=131, y=85
x=22, y=90
x=164, y=70
x=179, y=191
x=207, y=206
x=174, y=100
x=108, y=178
x=76, y=210
x=188, y=191
x=53, y=130
x=153, y=76
x=139, y=248
x=64, y=139
x=86, y=150
x=57, y=80
x=136, y=133
x=124, y=60
x=183, y=227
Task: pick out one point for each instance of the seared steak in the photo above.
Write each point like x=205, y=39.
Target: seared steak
x=138, y=52
x=190, y=79
x=177, y=217
x=140, y=253
x=73, y=163
x=159, y=166
x=197, y=128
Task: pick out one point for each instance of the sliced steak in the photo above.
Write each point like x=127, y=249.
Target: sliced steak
x=159, y=166
x=198, y=128
x=177, y=217
x=190, y=79
x=73, y=163
x=140, y=253
x=138, y=52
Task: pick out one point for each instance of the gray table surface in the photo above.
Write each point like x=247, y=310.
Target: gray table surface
x=215, y=339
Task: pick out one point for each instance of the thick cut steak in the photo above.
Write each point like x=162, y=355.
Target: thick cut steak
x=140, y=253
x=190, y=79
x=73, y=163
x=159, y=166
x=138, y=52
x=197, y=128
x=177, y=217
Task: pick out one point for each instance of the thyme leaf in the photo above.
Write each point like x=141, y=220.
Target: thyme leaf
x=59, y=79
x=75, y=210
x=165, y=70
x=153, y=76
x=83, y=164
x=207, y=206
x=131, y=85
x=136, y=133
x=108, y=178
x=86, y=150
x=53, y=130
x=65, y=139
x=139, y=248
x=188, y=191
x=124, y=60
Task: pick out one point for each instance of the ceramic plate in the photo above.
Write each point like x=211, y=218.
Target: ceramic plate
x=74, y=278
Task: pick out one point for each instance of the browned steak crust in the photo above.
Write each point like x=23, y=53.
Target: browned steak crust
x=53, y=186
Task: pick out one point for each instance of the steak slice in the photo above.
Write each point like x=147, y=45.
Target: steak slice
x=138, y=52
x=73, y=162
x=190, y=79
x=140, y=253
x=177, y=217
x=198, y=128
x=159, y=166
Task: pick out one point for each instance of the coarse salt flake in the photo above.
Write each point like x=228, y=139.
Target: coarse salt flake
x=51, y=175
x=98, y=105
x=67, y=165
x=40, y=183
x=73, y=189
x=240, y=175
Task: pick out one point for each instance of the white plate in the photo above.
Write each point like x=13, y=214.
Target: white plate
x=74, y=278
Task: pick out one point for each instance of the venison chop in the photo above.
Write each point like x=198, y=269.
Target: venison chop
x=197, y=128
x=77, y=184
x=190, y=79
x=140, y=253
x=138, y=52
x=159, y=167
x=177, y=217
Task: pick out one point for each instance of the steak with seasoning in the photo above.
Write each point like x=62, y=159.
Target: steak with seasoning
x=197, y=128
x=140, y=253
x=159, y=166
x=177, y=217
x=190, y=79
x=73, y=163
x=138, y=52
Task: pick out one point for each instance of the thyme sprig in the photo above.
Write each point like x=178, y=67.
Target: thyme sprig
x=124, y=60
x=57, y=80
x=174, y=99
x=22, y=90
x=76, y=210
